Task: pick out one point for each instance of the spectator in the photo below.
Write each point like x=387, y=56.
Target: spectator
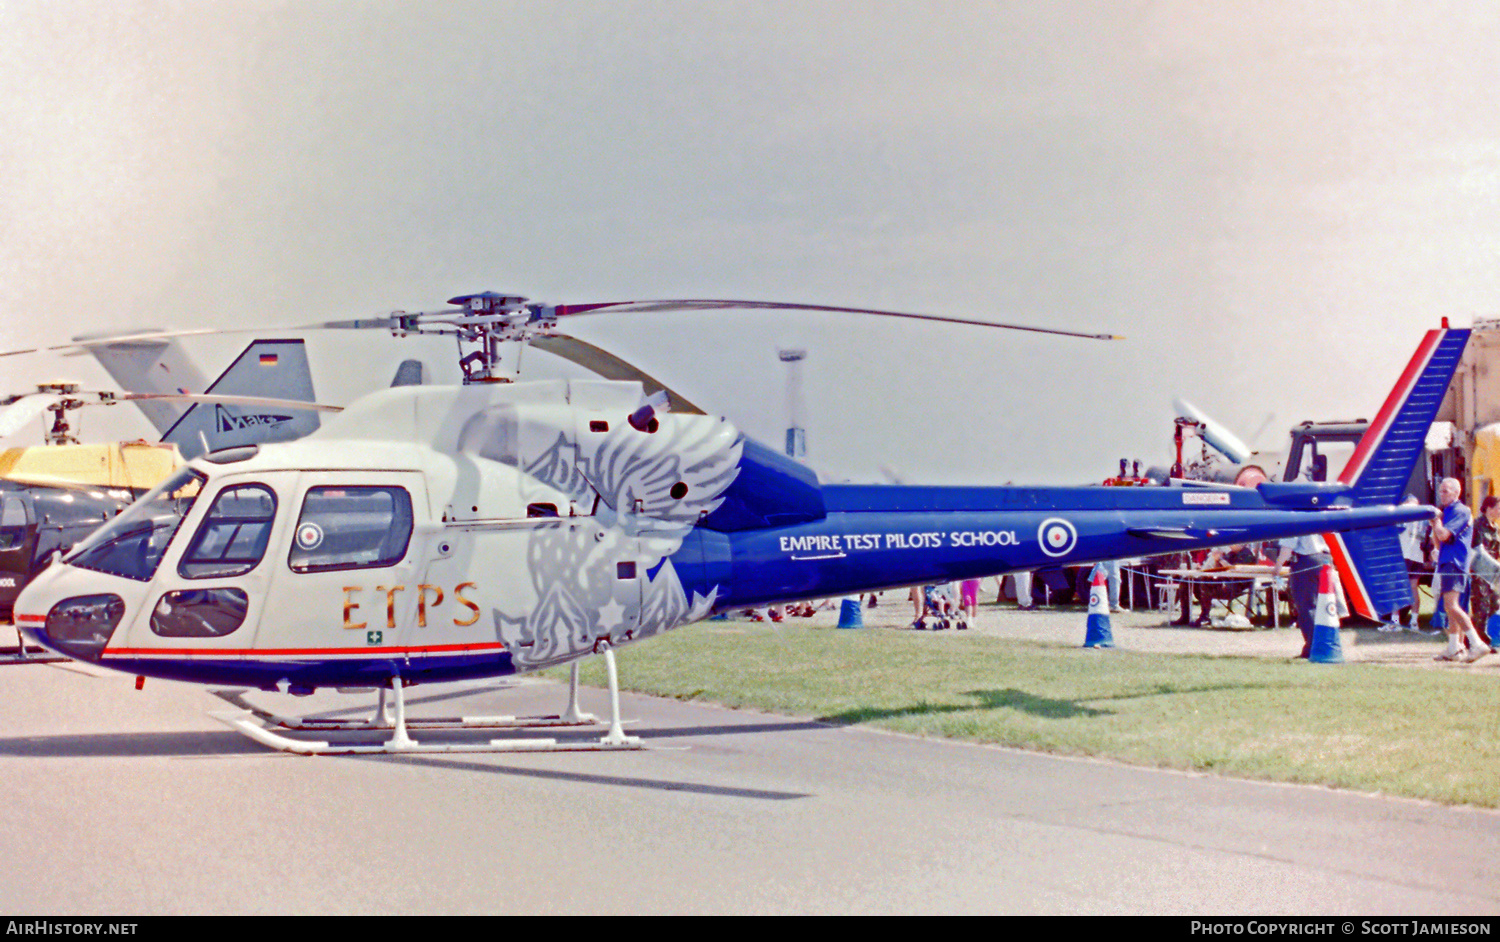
x=1416, y=548
x=1023, y=590
x=1223, y=557
x=1307, y=556
x=1111, y=569
x=1482, y=602
x=1452, y=531
x=968, y=591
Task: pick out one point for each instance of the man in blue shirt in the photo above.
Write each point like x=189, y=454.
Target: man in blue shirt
x=1453, y=531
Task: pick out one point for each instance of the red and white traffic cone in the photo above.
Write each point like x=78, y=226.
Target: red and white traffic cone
x=1326, y=648
x=1098, y=635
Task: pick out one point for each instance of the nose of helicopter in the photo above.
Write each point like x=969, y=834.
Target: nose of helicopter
x=65, y=618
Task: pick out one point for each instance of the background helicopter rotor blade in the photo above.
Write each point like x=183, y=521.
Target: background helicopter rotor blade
x=103, y=340
x=16, y=411
x=707, y=304
x=13, y=417
x=609, y=366
x=82, y=344
x=212, y=399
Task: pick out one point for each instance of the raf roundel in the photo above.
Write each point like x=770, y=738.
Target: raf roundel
x=1056, y=536
x=309, y=535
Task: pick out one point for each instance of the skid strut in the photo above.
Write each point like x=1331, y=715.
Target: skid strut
x=262, y=725
x=28, y=654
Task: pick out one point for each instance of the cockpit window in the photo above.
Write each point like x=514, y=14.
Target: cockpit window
x=351, y=527
x=233, y=536
x=200, y=613
x=132, y=544
x=12, y=523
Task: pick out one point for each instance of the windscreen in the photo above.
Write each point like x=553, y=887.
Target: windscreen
x=132, y=544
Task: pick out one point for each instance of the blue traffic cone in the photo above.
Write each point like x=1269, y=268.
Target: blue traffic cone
x=1326, y=647
x=1098, y=635
x=850, y=615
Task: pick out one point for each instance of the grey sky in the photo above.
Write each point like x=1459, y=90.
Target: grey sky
x=1270, y=200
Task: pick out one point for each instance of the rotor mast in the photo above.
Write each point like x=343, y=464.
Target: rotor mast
x=488, y=321
x=61, y=432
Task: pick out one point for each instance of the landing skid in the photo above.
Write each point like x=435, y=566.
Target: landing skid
x=261, y=726
x=28, y=654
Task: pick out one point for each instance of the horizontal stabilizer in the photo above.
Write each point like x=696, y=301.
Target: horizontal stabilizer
x=1182, y=533
x=1301, y=495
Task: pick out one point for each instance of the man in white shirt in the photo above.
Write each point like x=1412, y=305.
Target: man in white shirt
x=1307, y=555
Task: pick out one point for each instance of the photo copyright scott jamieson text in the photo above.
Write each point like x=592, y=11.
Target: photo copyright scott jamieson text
x=1346, y=927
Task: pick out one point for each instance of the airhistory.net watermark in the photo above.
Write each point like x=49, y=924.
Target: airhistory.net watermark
x=50, y=927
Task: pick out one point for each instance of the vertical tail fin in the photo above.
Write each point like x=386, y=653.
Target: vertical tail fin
x=151, y=366
x=1373, y=570
x=1370, y=562
x=1383, y=459
x=275, y=369
x=410, y=373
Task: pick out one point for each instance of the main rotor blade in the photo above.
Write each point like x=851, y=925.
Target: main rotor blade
x=609, y=366
x=380, y=321
x=708, y=304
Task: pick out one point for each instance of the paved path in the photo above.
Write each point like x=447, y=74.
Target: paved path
x=134, y=802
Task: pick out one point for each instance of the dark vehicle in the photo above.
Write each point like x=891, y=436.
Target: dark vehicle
x=1312, y=443
x=38, y=520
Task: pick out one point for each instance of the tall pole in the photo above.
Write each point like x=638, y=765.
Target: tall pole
x=796, y=433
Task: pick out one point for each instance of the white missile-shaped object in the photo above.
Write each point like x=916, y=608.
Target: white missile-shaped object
x=1223, y=441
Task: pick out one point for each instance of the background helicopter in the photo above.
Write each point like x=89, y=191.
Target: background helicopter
x=443, y=533
x=52, y=496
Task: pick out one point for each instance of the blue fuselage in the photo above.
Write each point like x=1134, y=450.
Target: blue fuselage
x=876, y=537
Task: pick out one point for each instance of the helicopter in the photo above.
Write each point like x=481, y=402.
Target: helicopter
x=449, y=533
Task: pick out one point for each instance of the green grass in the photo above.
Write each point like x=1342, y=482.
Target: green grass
x=1422, y=734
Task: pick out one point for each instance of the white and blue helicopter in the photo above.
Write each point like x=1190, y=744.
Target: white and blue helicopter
x=431, y=534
